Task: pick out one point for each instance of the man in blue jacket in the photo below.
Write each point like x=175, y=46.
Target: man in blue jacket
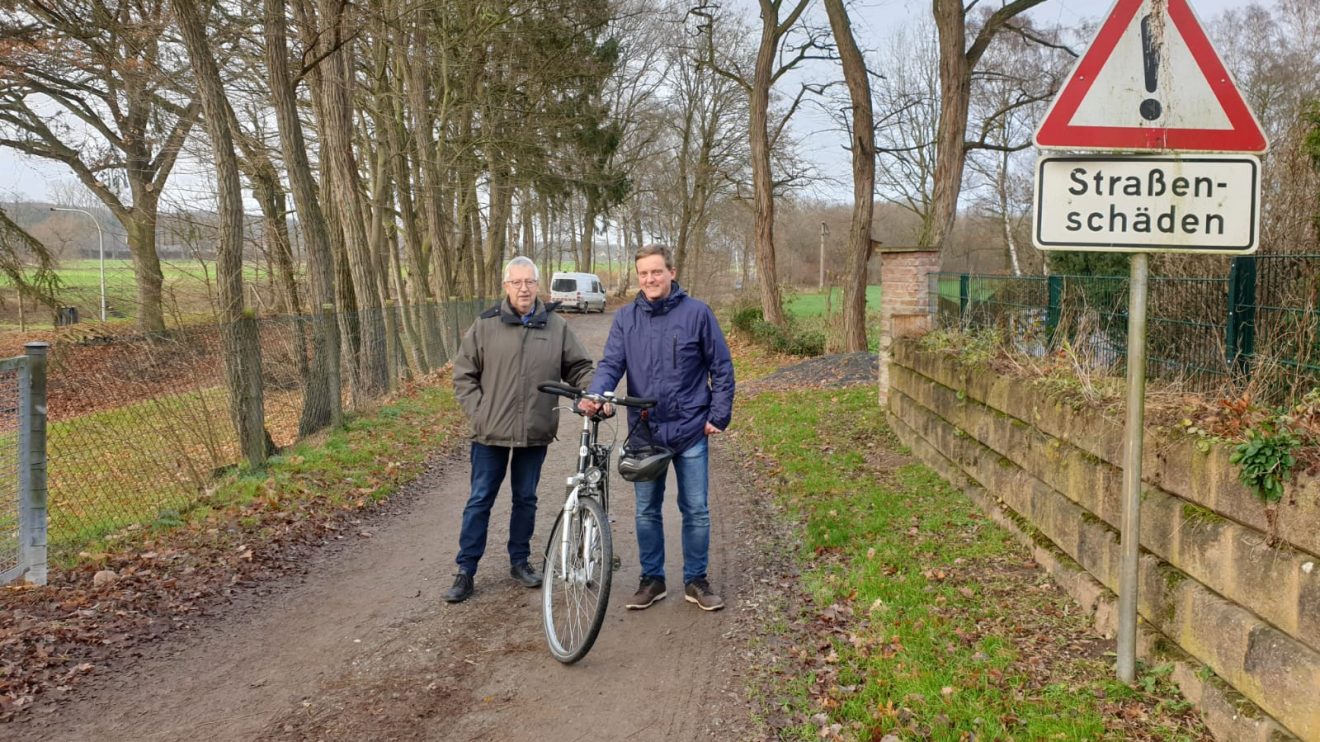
x=672, y=349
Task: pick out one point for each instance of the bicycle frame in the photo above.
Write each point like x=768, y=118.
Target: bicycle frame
x=590, y=480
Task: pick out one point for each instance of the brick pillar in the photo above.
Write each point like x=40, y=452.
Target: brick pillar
x=905, y=301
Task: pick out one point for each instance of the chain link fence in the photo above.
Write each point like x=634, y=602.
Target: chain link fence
x=23, y=466
x=1254, y=328
x=141, y=426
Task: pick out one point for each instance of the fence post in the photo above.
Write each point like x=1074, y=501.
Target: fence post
x=1053, y=311
x=964, y=297
x=332, y=354
x=1240, y=333
x=32, y=463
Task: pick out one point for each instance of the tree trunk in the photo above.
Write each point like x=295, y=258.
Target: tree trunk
x=140, y=232
x=1006, y=212
x=381, y=195
x=763, y=196
x=337, y=133
x=321, y=400
x=420, y=320
x=957, y=60
x=586, y=257
x=547, y=266
x=238, y=330
x=863, y=169
x=951, y=131
x=501, y=204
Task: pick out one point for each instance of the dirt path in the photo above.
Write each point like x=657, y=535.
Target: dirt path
x=362, y=647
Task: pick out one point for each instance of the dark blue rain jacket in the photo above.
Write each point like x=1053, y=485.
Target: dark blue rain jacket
x=673, y=351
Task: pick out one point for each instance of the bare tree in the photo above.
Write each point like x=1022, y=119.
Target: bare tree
x=321, y=396
x=238, y=330
x=862, y=146
x=1016, y=78
x=91, y=85
x=957, y=61
x=908, y=99
x=785, y=42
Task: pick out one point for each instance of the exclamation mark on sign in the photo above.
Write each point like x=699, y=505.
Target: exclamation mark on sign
x=1150, y=53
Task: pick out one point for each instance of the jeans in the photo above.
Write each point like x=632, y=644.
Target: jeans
x=691, y=469
x=488, y=467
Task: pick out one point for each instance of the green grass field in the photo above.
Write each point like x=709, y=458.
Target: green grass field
x=187, y=286
x=806, y=305
x=929, y=623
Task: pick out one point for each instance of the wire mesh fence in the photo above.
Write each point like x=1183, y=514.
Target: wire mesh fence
x=1254, y=328
x=10, y=532
x=139, y=427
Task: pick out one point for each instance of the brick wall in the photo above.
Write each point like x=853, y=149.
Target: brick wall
x=904, y=302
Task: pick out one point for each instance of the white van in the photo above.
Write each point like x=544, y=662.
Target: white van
x=580, y=291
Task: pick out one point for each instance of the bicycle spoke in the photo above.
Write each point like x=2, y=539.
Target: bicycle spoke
x=575, y=600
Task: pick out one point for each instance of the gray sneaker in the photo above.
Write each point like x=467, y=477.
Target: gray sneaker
x=651, y=590
x=698, y=591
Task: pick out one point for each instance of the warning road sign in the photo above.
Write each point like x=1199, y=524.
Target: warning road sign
x=1147, y=203
x=1151, y=81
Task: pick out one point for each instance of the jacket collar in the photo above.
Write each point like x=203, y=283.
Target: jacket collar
x=665, y=305
x=539, y=315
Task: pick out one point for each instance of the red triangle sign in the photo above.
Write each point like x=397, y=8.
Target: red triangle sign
x=1151, y=81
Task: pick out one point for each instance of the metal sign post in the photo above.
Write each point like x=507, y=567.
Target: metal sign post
x=1134, y=438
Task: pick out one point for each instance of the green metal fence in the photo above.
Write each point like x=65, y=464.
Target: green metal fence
x=1255, y=325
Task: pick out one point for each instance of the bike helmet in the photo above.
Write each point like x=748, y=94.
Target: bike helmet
x=644, y=463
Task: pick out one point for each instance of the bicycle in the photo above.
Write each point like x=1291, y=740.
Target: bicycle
x=579, y=555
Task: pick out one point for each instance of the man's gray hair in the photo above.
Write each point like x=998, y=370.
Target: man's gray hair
x=522, y=260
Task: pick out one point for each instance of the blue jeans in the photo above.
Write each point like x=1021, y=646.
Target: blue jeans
x=488, y=466
x=691, y=469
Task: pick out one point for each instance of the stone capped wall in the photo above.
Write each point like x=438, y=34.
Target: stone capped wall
x=1229, y=589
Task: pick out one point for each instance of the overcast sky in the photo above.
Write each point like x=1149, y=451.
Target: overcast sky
x=31, y=179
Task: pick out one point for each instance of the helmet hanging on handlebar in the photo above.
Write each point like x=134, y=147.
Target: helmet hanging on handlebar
x=644, y=462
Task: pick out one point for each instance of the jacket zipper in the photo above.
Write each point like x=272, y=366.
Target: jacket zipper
x=675, y=351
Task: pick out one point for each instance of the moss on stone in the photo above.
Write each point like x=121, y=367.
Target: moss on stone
x=1201, y=516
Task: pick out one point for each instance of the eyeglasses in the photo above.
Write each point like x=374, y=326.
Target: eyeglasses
x=526, y=283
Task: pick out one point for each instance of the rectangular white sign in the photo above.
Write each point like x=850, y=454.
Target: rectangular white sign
x=1148, y=203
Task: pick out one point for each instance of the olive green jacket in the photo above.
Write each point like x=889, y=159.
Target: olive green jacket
x=502, y=359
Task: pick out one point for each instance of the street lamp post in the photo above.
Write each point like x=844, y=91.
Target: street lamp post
x=101, y=238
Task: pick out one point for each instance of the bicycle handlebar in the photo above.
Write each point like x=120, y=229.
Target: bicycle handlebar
x=568, y=390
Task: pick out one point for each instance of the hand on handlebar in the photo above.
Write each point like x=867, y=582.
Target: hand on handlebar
x=592, y=406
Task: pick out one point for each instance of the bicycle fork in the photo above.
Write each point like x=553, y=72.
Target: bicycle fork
x=576, y=553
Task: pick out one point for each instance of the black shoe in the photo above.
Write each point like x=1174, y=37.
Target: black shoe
x=525, y=575
x=651, y=590
x=462, y=589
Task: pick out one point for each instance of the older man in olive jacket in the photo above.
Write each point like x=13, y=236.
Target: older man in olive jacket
x=508, y=351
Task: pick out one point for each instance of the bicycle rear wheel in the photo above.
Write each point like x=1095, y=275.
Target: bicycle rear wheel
x=576, y=586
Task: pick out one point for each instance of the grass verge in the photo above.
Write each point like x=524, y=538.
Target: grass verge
x=919, y=617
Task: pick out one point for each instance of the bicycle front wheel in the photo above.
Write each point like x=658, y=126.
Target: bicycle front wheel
x=576, y=586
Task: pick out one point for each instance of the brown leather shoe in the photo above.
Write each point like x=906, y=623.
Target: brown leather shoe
x=698, y=591
x=651, y=590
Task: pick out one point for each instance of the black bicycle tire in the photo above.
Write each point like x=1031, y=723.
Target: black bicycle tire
x=587, y=507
